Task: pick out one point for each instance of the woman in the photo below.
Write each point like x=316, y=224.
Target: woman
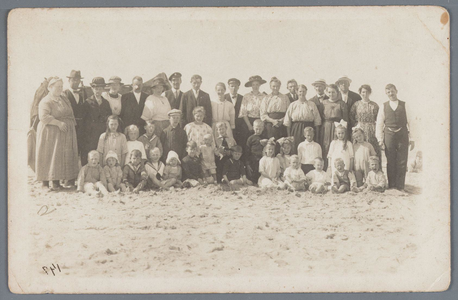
x=334, y=110
x=113, y=96
x=57, y=150
x=363, y=114
x=273, y=109
x=197, y=129
x=157, y=107
x=223, y=111
x=249, y=110
x=301, y=114
x=96, y=111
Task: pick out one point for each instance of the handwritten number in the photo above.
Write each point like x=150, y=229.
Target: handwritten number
x=52, y=268
x=44, y=269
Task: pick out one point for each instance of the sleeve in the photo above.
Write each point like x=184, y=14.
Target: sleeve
x=287, y=174
x=103, y=178
x=372, y=150
x=381, y=180
x=243, y=107
x=319, y=151
x=125, y=175
x=263, y=109
x=287, y=103
x=185, y=168
x=232, y=116
x=309, y=176
x=248, y=148
x=183, y=109
x=106, y=170
x=209, y=111
x=142, y=150
x=150, y=171
x=226, y=167
x=159, y=145
x=119, y=177
x=335, y=179
x=316, y=114
x=201, y=171
x=143, y=172
x=262, y=167
x=380, y=125
x=147, y=114
x=331, y=149
x=242, y=170
x=352, y=115
x=44, y=112
x=180, y=173
x=166, y=172
x=80, y=180
x=124, y=149
x=101, y=143
x=408, y=122
x=287, y=119
x=350, y=149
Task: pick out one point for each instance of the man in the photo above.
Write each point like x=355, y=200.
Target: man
x=348, y=97
x=195, y=97
x=174, y=95
x=132, y=105
x=320, y=86
x=392, y=132
x=236, y=99
x=292, y=88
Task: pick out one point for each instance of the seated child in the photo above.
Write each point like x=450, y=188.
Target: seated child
x=132, y=133
x=155, y=170
x=318, y=179
x=363, y=150
x=223, y=146
x=134, y=174
x=192, y=167
x=254, y=151
x=113, y=172
x=308, y=150
x=172, y=170
x=269, y=168
x=343, y=180
x=234, y=170
x=416, y=166
x=286, y=145
x=91, y=178
x=207, y=151
x=295, y=178
x=149, y=139
x=375, y=180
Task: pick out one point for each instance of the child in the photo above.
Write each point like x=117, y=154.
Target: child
x=308, y=150
x=134, y=174
x=286, y=144
x=223, y=146
x=155, y=170
x=295, y=178
x=174, y=138
x=416, y=166
x=112, y=140
x=113, y=173
x=91, y=177
x=149, y=139
x=269, y=168
x=234, y=170
x=207, y=151
x=254, y=150
x=192, y=167
x=318, y=179
x=341, y=148
x=375, y=180
x=343, y=180
x=363, y=150
x=172, y=170
x=132, y=133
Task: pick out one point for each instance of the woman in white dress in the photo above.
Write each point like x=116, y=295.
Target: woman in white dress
x=223, y=111
x=157, y=107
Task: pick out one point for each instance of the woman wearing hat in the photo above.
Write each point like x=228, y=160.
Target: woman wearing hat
x=113, y=96
x=96, y=112
x=157, y=106
x=273, y=109
x=57, y=150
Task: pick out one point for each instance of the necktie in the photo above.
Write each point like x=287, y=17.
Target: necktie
x=225, y=144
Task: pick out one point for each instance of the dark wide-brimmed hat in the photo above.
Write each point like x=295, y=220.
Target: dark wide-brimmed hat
x=115, y=79
x=175, y=75
x=233, y=80
x=319, y=82
x=254, y=78
x=75, y=74
x=159, y=79
x=98, y=82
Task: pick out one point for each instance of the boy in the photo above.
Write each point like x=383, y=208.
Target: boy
x=233, y=169
x=192, y=166
x=254, y=151
x=91, y=177
x=149, y=139
x=223, y=146
x=134, y=175
x=174, y=137
x=375, y=180
x=343, y=180
x=319, y=180
x=308, y=150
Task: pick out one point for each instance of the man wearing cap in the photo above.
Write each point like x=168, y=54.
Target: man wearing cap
x=347, y=96
x=132, y=105
x=174, y=95
x=392, y=132
x=174, y=137
x=195, y=97
x=291, y=85
x=236, y=99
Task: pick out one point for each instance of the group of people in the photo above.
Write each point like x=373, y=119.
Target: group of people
x=169, y=139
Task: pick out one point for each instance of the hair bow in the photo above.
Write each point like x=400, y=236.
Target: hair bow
x=283, y=140
x=341, y=123
x=266, y=142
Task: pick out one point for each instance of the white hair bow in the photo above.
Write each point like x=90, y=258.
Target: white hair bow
x=341, y=123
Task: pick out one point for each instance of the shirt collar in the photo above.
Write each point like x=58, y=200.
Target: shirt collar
x=196, y=93
x=175, y=91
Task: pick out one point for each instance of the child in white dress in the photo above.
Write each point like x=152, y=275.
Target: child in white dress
x=363, y=150
x=207, y=151
x=132, y=134
x=269, y=168
x=341, y=148
x=319, y=181
x=295, y=178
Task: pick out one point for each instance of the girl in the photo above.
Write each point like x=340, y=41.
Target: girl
x=112, y=140
x=155, y=170
x=197, y=129
x=269, y=167
x=113, y=173
x=91, y=178
x=223, y=111
x=172, y=169
x=341, y=148
x=208, y=158
x=363, y=150
x=295, y=178
x=286, y=145
x=132, y=134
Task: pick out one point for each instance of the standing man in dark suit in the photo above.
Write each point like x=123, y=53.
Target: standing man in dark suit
x=320, y=86
x=132, y=105
x=291, y=85
x=195, y=97
x=174, y=95
x=348, y=97
x=236, y=99
x=392, y=132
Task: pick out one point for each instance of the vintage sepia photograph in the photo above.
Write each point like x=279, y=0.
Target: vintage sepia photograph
x=229, y=150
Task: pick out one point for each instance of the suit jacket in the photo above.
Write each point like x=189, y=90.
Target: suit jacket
x=189, y=102
x=237, y=105
x=291, y=99
x=131, y=110
x=174, y=102
x=78, y=108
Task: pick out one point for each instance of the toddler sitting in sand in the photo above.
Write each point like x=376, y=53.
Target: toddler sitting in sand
x=233, y=170
x=91, y=178
x=155, y=170
x=375, y=180
x=343, y=180
x=134, y=174
x=172, y=170
x=295, y=178
x=269, y=167
x=192, y=167
x=318, y=179
x=207, y=151
x=113, y=172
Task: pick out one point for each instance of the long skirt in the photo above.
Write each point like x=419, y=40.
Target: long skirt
x=297, y=131
x=56, y=153
x=274, y=131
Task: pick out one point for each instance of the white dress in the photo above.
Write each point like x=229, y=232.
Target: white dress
x=336, y=150
x=271, y=166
